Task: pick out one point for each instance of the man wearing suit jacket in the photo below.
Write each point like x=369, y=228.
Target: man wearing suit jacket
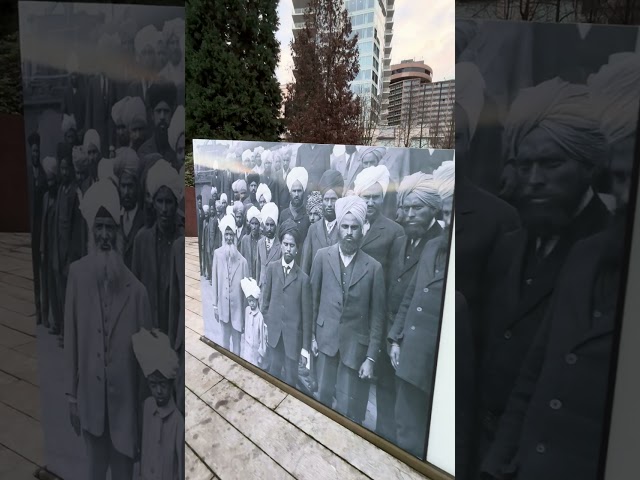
x=379, y=231
x=161, y=100
x=176, y=315
x=223, y=178
x=105, y=306
x=419, y=199
x=286, y=307
x=249, y=244
x=348, y=314
x=558, y=207
x=414, y=334
x=349, y=165
x=323, y=233
x=242, y=228
x=228, y=269
x=282, y=196
x=269, y=245
x=297, y=183
x=315, y=159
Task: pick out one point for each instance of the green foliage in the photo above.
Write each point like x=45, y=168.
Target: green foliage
x=189, y=175
x=232, y=52
x=10, y=75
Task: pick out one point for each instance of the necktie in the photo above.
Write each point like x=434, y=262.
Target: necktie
x=410, y=248
x=348, y=162
x=365, y=228
x=268, y=245
x=329, y=228
x=287, y=269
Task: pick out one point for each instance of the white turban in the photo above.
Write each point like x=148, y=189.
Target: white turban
x=252, y=213
x=205, y=208
x=368, y=177
x=445, y=177
x=147, y=37
x=68, y=123
x=176, y=128
x=614, y=90
x=246, y=155
x=228, y=221
x=270, y=210
x=80, y=158
x=118, y=111
x=214, y=190
x=470, y=88
x=50, y=167
x=263, y=190
x=258, y=150
x=102, y=193
x=250, y=288
x=239, y=185
x=135, y=113
x=266, y=155
x=162, y=174
x=154, y=353
x=229, y=210
x=91, y=137
x=300, y=174
x=223, y=198
x=351, y=204
x=173, y=27
x=106, y=169
x=238, y=207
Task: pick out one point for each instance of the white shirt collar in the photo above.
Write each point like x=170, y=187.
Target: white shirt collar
x=290, y=265
x=346, y=259
x=330, y=224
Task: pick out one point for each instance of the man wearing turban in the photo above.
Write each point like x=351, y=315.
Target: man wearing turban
x=83, y=180
x=263, y=195
x=323, y=233
x=283, y=198
x=127, y=169
x=91, y=144
x=173, y=34
x=413, y=337
x=379, y=232
x=239, y=188
x=297, y=183
x=257, y=158
x=223, y=176
x=249, y=243
x=553, y=140
x=315, y=159
x=253, y=180
x=580, y=318
x=119, y=120
x=151, y=261
x=286, y=306
x=69, y=130
x=242, y=229
x=48, y=299
x=269, y=244
x=421, y=203
x=348, y=314
x=161, y=100
x=228, y=270
x=267, y=177
x=37, y=190
x=102, y=374
x=135, y=119
x=145, y=45
x=314, y=207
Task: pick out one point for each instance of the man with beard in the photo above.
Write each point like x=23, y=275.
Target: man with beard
x=48, y=299
x=75, y=94
x=256, y=158
x=161, y=99
x=229, y=268
x=83, y=180
x=242, y=228
x=414, y=335
x=127, y=168
x=151, y=261
x=249, y=243
x=263, y=195
x=224, y=203
x=315, y=159
x=135, y=120
x=269, y=245
x=286, y=307
x=554, y=422
x=173, y=33
x=239, y=188
x=419, y=199
x=283, y=198
x=297, y=182
x=176, y=136
x=38, y=190
x=553, y=139
x=379, y=232
x=69, y=131
x=267, y=177
x=323, y=233
x=277, y=161
x=348, y=314
x=106, y=305
x=201, y=221
x=253, y=180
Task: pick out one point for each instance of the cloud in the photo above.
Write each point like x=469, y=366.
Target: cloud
x=284, y=35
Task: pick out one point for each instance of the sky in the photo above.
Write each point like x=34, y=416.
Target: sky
x=421, y=30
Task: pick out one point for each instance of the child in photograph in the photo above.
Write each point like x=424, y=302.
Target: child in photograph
x=253, y=350
x=162, y=452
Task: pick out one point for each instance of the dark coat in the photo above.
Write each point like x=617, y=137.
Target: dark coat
x=136, y=226
x=417, y=324
x=316, y=161
x=303, y=222
x=98, y=111
x=379, y=239
x=286, y=307
x=250, y=253
x=264, y=258
x=354, y=329
x=465, y=389
x=151, y=146
x=316, y=239
x=554, y=422
x=281, y=196
x=75, y=103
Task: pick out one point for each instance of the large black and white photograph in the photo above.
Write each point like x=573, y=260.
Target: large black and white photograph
x=325, y=266
x=104, y=119
x=546, y=123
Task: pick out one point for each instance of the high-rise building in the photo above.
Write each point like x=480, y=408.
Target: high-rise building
x=372, y=20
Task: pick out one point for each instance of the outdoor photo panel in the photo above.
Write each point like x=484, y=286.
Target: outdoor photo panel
x=325, y=266
x=104, y=124
x=546, y=126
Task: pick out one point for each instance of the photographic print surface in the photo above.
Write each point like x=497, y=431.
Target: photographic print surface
x=546, y=121
x=325, y=266
x=104, y=124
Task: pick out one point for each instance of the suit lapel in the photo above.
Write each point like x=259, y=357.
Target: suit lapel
x=275, y=249
x=293, y=275
x=118, y=303
x=359, y=270
x=334, y=260
x=375, y=230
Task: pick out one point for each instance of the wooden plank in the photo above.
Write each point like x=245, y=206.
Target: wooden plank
x=194, y=322
x=13, y=338
x=16, y=291
x=365, y=456
x=22, y=434
x=8, y=278
x=198, y=376
x=301, y=456
x=30, y=348
x=19, y=365
x=23, y=397
x=223, y=448
x=13, y=466
x=194, y=469
x=17, y=321
x=16, y=305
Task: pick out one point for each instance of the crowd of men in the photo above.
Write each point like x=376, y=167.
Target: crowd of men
x=344, y=263
x=539, y=268
x=108, y=243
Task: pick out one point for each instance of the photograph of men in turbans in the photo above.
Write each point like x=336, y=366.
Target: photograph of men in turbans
x=104, y=120
x=331, y=280
x=545, y=153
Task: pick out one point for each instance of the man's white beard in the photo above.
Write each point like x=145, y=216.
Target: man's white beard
x=110, y=263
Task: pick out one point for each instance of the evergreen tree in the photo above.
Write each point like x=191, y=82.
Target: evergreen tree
x=319, y=105
x=232, y=53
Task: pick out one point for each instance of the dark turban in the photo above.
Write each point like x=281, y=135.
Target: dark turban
x=253, y=177
x=331, y=180
x=162, y=92
x=290, y=227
